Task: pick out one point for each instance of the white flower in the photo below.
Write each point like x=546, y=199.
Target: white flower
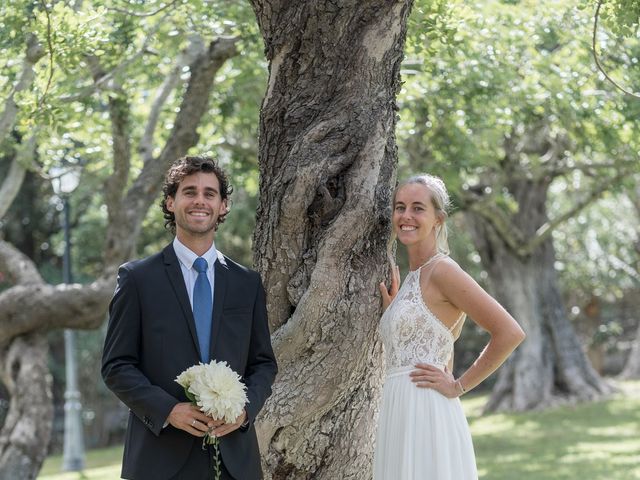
x=219, y=392
x=217, y=389
x=186, y=378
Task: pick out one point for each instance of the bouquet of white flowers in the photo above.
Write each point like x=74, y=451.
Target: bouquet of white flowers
x=220, y=394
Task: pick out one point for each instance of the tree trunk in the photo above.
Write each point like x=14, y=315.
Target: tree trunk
x=550, y=366
x=327, y=167
x=26, y=430
x=632, y=367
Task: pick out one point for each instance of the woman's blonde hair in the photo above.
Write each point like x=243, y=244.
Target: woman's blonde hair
x=440, y=201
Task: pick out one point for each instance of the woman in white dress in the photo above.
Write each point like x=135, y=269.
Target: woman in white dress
x=422, y=431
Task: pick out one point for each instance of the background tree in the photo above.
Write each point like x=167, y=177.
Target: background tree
x=632, y=365
x=594, y=262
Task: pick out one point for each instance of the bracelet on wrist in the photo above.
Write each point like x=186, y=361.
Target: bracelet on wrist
x=462, y=389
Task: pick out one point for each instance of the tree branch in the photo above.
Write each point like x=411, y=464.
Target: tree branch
x=52, y=307
x=509, y=233
x=33, y=54
x=592, y=168
x=546, y=229
x=45, y=7
x=20, y=268
x=634, y=195
x=17, y=171
x=11, y=185
x=149, y=14
x=196, y=48
x=105, y=77
x=121, y=147
x=623, y=266
x=597, y=59
x=119, y=110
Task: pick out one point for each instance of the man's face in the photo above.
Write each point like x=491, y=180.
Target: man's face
x=197, y=205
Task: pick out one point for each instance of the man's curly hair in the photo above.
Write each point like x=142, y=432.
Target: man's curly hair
x=183, y=167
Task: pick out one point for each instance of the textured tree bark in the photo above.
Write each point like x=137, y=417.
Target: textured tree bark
x=632, y=366
x=550, y=366
x=25, y=434
x=327, y=167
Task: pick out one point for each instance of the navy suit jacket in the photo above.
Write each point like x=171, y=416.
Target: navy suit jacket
x=151, y=339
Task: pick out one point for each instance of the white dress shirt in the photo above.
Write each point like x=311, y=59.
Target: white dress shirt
x=186, y=258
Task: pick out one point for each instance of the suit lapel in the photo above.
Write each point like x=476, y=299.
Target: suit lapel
x=221, y=271
x=172, y=267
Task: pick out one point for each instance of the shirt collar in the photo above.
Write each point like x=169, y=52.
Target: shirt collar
x=187, y=257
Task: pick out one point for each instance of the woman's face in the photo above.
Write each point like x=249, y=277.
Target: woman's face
x=414, y=216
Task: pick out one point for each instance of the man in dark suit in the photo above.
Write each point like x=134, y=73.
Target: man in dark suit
x=170, y=311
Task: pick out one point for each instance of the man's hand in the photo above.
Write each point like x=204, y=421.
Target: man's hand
x=220, y=428
x=189, y=418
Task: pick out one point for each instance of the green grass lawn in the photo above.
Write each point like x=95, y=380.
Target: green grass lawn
x=596, y=441
x=102, y=464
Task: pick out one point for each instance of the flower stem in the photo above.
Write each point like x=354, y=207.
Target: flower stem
x=216, y=458
x=215, y=441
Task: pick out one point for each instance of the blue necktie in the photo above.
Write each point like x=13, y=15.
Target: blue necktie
x=202, y=307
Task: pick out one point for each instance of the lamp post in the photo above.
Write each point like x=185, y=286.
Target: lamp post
x=64, y=181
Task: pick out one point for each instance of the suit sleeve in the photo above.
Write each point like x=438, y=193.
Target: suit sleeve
x=121, y=357
x=261, y=367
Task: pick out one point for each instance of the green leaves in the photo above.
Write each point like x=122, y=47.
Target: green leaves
x=622, y=17
x=513, y=67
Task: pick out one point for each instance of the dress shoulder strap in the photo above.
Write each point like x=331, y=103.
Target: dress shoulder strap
x=458, y=321
x=432, y=262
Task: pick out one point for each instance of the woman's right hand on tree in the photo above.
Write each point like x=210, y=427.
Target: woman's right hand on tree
x=389, y=294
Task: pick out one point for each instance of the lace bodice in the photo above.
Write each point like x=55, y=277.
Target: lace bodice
x=410, y=332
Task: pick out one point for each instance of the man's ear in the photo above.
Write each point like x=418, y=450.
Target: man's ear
x=169, y=203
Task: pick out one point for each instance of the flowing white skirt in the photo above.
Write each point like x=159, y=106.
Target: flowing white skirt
x=422, y=435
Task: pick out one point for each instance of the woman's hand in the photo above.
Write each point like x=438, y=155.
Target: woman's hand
x=428, y=376
x=390, y=294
